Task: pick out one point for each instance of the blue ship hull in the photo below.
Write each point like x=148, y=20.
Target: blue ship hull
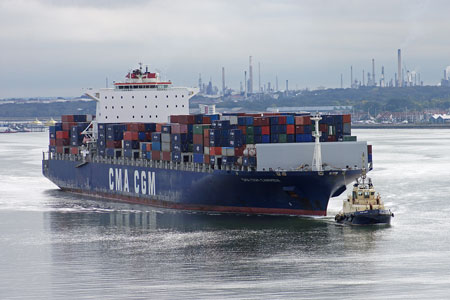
x=279, y=193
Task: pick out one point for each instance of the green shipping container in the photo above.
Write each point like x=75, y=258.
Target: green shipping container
x=282, y=138
x=249, y=139
x=198, y=129
x=249, y=130
x=349, y=138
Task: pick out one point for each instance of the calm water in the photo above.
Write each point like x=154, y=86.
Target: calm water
x=57, y=245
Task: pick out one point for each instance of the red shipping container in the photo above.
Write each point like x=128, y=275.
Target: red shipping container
x=206, y=120
x=206, y=133
x=323, y=128
x=62, y=134
x=257, y=122
x=156, y=155
x=331, y=138
x=206, y=142
x=243, y=129
x=198, y=139
x=369, y=149
x=215, y=151
x=302, y=120
x=347, y=118
x=174, y=119
x=265, y=130
x=265, y=121
x=62, y=149
x=282, y=120
x=130, y=135
x=148, y=136
x=62, y=142
x=114, y=144
x=290, y=129
x=179, y=128
x=148, y=147
x=74, y=150
x=66, y=126
x=299, y=129
x=206, y=159
x=52, y=142
x=67, y=118
x=136, y=127
x=239, y=151
x=186, y=119
x=166, y=155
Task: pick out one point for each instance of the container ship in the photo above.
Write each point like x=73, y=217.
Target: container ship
x=144, y=147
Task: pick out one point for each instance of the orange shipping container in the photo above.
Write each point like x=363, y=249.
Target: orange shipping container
x=347, y=118
x=290, y=129
x=62, y=134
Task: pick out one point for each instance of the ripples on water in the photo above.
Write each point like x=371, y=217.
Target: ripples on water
x=58, y=245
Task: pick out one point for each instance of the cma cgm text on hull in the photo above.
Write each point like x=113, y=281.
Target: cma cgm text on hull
x=144, y=147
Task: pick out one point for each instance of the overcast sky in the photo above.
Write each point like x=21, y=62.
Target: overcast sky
x=59, y=47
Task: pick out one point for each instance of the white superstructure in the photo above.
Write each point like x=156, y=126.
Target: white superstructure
x=142, y=97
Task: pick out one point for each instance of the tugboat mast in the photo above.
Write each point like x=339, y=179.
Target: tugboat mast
x=317, y=157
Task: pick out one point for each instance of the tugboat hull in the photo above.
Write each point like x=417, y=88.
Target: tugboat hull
x=366, y=217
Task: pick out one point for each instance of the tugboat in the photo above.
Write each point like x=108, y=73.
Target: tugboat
x=363, y=207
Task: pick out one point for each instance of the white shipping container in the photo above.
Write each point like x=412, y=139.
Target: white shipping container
x=290, y=156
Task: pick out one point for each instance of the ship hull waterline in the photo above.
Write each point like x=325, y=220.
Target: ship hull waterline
x=302, y=193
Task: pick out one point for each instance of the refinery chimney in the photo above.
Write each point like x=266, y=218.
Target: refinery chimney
x=250, y=75
x=351, y=76
x=223, y=81
x=246, y=85
x=399, y=73
x=374, y=83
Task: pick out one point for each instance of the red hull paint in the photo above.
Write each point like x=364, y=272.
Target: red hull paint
x=203, y=208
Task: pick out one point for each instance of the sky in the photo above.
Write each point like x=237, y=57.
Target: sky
x=60, y=47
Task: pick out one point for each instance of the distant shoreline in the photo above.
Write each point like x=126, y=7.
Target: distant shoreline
x=401, y=126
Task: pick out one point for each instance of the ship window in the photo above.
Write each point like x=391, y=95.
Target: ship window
x=156, y=116
x=133, y=117
x=366, y=194
x=146, y=106
x=176, y=105
x=132, y=97
x=183, y=105
x=106, y=117
x=176, y=96
x=150, y=116
x=145, y=96
x=121, y=107
x=156, y=96
x=112, y=107
x=182, y=96
x=121, y=97
x=142, y=117
x=156, y=106
x=116, y=117
x=167, y=106
x=112, y=97
x=132, y=106
x=167, y=96
x=106, y=107
x=106, y=97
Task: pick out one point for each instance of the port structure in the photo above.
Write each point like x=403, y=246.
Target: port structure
x=317, y=156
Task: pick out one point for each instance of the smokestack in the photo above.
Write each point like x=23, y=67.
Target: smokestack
x=373, y=72
x=246, y=87
x=287, y=85
x=250, y=75
x=259, y=77
x=351, y=76
x=276, y=83
x=363, y=81
x=399, y=73
x=342, y=84
x=445, y=74
x=223, y=81
x=382, y=83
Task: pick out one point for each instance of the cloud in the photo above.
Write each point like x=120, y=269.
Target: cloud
x=308, y=42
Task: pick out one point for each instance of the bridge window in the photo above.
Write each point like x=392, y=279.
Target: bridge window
x=106, y=107
x=106, y=97
x=113, y=107
x=112, y=97
x=167, y=106
x=167, y=96
x=182, y=96
x=121, y=97
x=106, y=117
x=145, y=96
x=146, y=106
x=132, y=97
x=156, y=96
